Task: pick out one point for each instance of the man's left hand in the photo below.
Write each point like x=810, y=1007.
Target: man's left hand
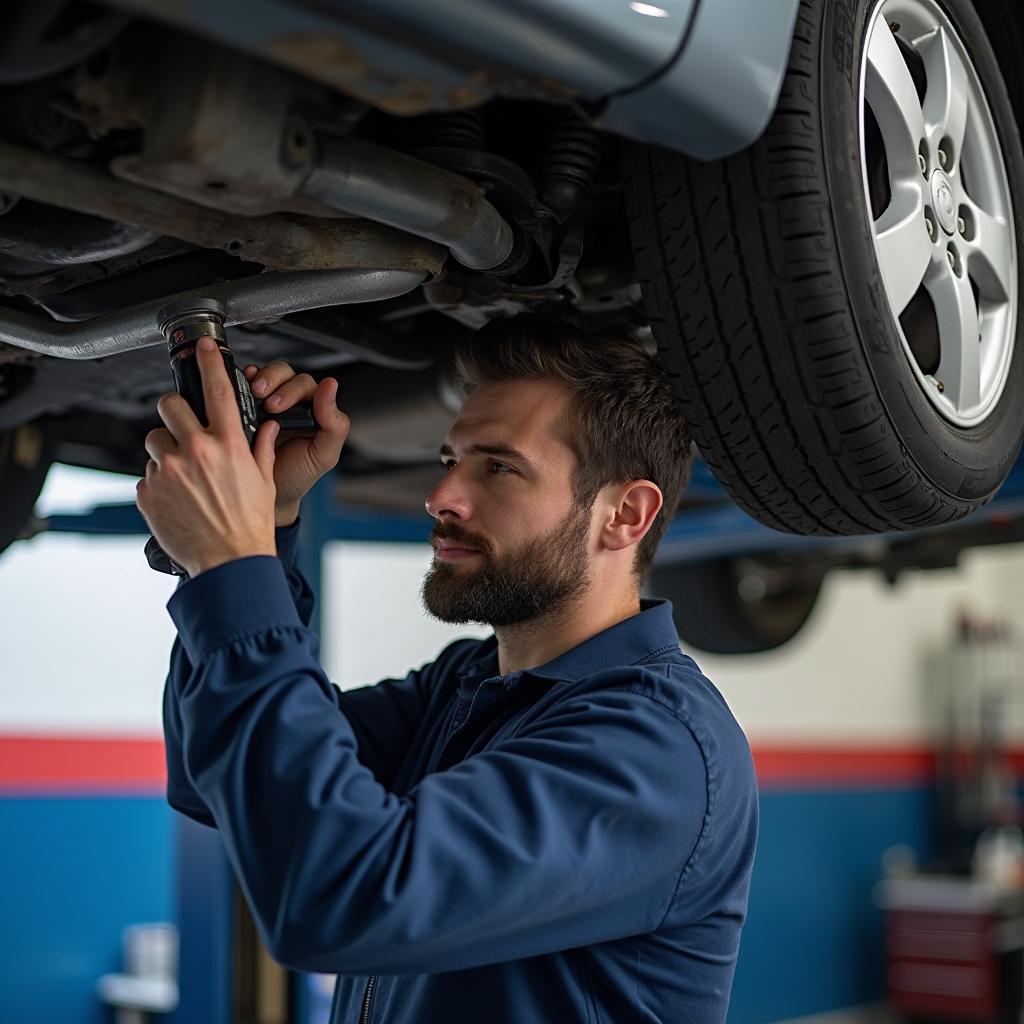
x=206, y=496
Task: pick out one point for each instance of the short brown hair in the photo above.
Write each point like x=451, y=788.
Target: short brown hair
x=624, y=422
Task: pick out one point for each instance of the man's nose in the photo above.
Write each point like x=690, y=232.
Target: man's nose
x=449, y=496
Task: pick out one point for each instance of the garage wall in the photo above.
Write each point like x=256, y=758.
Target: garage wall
x=843, y=725
x=839, y=724
x=861, y=671
x=88, y=840
x=870, y=661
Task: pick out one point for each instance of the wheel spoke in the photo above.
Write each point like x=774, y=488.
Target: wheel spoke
x=890, y=92
x=960, y=348
x=903, y=247
x=945, y=102
x=990, y=253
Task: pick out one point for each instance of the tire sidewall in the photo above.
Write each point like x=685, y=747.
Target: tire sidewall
x=965, y=463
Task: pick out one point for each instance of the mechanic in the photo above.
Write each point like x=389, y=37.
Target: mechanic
x=556, y=823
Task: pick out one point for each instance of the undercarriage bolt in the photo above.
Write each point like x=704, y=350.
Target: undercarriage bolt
x=297, y=148
x=923, y=164
x=943, y=159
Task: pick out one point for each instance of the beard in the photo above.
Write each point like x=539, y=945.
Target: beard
x=538, y=578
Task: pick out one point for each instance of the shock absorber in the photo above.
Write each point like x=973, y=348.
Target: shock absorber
x=570, y=165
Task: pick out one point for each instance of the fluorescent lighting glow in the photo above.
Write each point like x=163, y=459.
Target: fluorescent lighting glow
x=649, y=9
x=72, y=489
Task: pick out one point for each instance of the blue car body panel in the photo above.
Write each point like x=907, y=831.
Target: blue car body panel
x=416, y=56
x=591, y=46
x=699, y=76
x=717, y=97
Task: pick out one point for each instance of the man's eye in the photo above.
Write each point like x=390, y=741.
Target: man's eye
x=502, y=467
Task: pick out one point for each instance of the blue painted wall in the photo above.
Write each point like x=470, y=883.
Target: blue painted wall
x=74, y=873
x=813, y=937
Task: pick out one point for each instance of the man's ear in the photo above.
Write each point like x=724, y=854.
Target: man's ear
x=631, y=509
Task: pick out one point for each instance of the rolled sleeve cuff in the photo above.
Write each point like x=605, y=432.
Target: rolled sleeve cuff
x=287, y=540
x=230, y=600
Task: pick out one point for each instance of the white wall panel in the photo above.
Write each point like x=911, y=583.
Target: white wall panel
x=85, y=636
x=858, y=673
x=373, y=622
x=866, y=666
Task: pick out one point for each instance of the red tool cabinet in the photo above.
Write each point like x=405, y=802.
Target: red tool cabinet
x=952, y=948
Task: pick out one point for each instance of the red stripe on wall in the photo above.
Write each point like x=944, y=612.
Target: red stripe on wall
x=75, y=764
x=794, y=766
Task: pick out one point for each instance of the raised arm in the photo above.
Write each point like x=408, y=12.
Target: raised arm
x=384, y=716
x=181, y=794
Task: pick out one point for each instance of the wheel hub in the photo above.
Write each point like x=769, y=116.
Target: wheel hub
x=943, y=202
x=937, y=194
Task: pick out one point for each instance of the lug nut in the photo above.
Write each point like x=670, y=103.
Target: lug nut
x=943, y=159
x=951, y=259
x=923, y=164
x=961, y=225
x=930, y=225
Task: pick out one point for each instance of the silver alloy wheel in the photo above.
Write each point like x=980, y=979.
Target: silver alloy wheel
x=938, y=198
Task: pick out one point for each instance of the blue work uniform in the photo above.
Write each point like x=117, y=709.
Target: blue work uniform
x=567, y=843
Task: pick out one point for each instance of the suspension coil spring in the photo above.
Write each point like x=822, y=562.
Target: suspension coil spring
x=460, y=129
x=571, y=162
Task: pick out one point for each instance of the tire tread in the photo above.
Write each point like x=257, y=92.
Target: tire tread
x=768, y=370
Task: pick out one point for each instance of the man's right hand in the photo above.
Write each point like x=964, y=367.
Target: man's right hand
x=299, y=460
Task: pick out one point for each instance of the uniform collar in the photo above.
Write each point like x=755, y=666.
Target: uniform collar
x=628, y=642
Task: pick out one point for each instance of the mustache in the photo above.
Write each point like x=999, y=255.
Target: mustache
x=456, y=536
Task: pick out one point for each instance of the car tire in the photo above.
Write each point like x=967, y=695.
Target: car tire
x=715, y=611
x=807, y=396
x=26, y=454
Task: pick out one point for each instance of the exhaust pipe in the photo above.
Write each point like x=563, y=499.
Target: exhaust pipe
x=358, y=177
x=242, y=300
x=278, y=241
x=350, y=175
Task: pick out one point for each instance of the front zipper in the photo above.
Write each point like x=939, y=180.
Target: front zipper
x=364, y=1016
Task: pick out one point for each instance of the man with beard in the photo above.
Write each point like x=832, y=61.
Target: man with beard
x=554, y=824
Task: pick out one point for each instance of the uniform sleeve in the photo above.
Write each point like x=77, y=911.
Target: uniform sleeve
x=383, y=716
x=574, y=831
x=181, y=794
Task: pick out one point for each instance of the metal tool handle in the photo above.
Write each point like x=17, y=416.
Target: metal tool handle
x=183, y=332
